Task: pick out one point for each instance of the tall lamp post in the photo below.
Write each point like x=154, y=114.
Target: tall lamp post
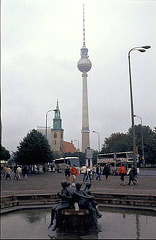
x=98, y=139
x=140, y=49
x=78, y=146
x=46, y=121
x=142, y=139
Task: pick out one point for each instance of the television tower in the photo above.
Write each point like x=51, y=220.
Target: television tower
x=84, y=65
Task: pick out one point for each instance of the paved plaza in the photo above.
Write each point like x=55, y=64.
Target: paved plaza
x=51, y=183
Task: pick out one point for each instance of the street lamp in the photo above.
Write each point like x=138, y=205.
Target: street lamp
x=142, y=140
x=78, y=146
x=46, y=120
x=98, y=139
x=140, y=49
x=78, y=142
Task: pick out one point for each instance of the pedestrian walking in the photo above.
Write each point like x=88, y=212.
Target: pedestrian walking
x=67, y=173
x=74, y=173
x=132, y=176
x=52, y=168
x=84, y=172
x=93, y=172
x=4, y=172
x=44, y=169
x=122, y=172
x=15, y=172
x=106, y=170
x=19, y=172
x=25, y=172
x=98, y=172
x=57, y=168
x=89, y=174
x=8, y=173
x=38, y=169
x=134, y=172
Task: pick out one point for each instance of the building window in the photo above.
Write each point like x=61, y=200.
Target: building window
x=55, y=135
x=55, y=142
x=61, y=135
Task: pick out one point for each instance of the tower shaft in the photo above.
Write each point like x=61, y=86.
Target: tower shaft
x=85, y=117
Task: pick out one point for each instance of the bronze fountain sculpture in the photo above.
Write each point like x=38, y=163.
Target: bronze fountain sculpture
x=77, y=209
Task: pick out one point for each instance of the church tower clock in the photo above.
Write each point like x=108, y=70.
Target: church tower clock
x=57, y=132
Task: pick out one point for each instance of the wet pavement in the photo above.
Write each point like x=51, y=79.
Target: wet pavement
x=51, y=183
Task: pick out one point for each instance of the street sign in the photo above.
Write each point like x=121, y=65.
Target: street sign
x=89, y=153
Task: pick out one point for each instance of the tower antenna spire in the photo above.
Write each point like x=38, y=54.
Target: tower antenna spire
x=84, y=40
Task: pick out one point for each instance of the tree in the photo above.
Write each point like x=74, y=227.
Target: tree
x=149, y=142
x=5, y=155
x=34, y=149
x=150, y=147
x=117, y=142
x=121, y=142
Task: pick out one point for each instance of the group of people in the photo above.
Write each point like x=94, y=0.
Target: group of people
x=71, y=173
x=75, y=199
x=88, y=173
x=95, y=172
x=132, y=173
x=17, y=172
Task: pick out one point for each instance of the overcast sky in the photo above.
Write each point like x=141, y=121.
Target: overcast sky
x=41, y=41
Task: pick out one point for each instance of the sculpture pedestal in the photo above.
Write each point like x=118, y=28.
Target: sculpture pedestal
x=75, y=221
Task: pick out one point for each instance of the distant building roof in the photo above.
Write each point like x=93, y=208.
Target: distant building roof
x=68, y=147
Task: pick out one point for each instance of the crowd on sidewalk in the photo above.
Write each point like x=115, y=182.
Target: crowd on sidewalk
x=95, y=172
x=17, y=172
x=71, y=173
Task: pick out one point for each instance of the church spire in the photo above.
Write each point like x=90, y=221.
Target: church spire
x=57, y=121
x=57, y=106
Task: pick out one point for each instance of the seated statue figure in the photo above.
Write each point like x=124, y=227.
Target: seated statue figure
x=93, y=202
x=67, y=202
x=84, y=201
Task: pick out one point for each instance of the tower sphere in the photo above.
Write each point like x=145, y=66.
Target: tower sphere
x=84, y=64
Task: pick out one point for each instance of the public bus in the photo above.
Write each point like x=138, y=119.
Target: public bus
x=115, y=160
x=61, y=163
